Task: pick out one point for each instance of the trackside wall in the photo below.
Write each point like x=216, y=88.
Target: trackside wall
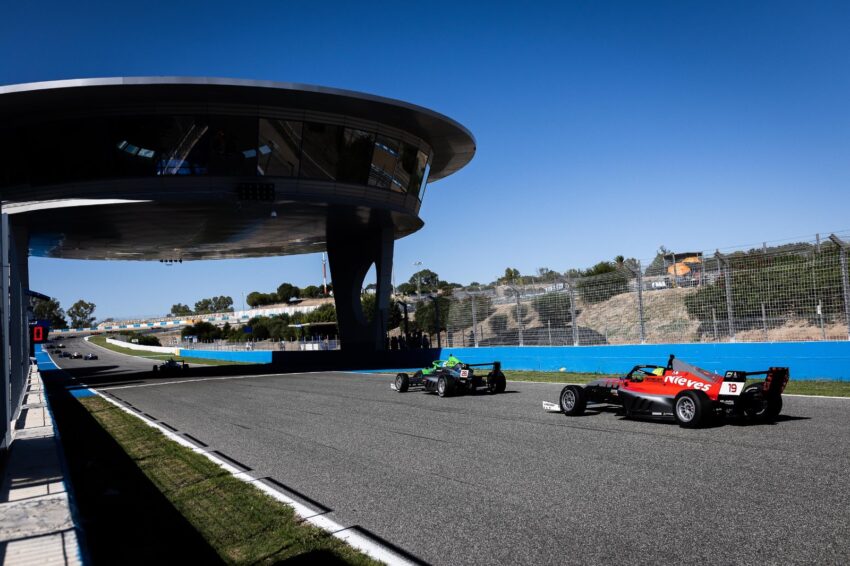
x=255, y=357
x=807, y=360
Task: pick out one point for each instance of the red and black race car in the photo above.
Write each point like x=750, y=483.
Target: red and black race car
x=679, y=390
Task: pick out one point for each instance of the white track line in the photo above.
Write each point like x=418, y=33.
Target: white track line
x=346, y=534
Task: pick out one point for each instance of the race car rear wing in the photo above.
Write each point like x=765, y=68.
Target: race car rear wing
x=776, y=378
x=497, y=366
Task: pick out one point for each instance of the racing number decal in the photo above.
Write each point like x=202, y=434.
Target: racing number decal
x=464, y=373
x=729, y=388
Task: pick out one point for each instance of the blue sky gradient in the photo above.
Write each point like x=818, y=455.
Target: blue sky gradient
x=603, y=128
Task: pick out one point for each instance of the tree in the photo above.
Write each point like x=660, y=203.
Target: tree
x=426, y=314
x=601, y=282
x=50, y=310
x=553, y=308
x=461, y=311
x=180, y=310
x=257, y=299
x=498, y=324
x=523, y=317
x=214, y=304
x=427, y=281
x=312, y=292
x=203, y=330
x=287, y=291
x=369, y=303
x=80, y=314
x=511, y=275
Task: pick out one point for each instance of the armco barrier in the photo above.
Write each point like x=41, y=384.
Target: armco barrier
x=807, y=360
x=255, y=357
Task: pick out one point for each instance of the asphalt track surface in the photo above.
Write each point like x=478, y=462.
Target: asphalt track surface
x=496, y=480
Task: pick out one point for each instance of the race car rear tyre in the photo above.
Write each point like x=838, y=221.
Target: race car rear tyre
x=445, y=387
x=691, y=408
x=758, y=406
x=496, y=383
x=402, y=382
x=573, y=400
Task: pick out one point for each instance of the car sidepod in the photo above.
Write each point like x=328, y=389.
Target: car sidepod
x=637, y=403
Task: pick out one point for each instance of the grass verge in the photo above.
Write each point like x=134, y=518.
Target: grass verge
x=101, y=341
x=241, y=523
x=810, y=387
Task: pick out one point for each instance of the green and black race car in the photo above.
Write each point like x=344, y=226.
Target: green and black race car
x=450, y=376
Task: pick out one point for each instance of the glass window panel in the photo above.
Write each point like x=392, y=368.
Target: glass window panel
x=320, y=150
x=279, y=148
x=384, y=160
x=425, y=178
x=146, y=146
x=416, y=179
x=355, y=156
x=405, y=171
x=233, y=145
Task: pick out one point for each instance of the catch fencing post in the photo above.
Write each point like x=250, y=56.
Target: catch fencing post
x=727, y=275
x=714, y=322
x=845, y=285
x=474, y=322
x=573, y=311
x=639, y=274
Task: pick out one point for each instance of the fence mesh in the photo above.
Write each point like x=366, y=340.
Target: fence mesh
x=796, y=291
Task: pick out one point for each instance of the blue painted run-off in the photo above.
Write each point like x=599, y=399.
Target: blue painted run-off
x=807, y=360
x=43, y=359
x=258, y=357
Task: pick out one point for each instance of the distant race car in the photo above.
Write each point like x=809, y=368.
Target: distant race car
x=171, y=367
x=447, y=377
x=76, y=356
x=90, y=356
x=681, y=391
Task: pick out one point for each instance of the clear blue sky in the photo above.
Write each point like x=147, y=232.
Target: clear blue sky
x=603, y=127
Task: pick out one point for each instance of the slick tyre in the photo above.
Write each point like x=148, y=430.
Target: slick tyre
x=496, y=383
x=691, y=408
x=758, y=406
x=445, y=387
x=573, y=400
x=402, y=382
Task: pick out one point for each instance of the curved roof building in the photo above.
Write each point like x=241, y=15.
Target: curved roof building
x=197, y=168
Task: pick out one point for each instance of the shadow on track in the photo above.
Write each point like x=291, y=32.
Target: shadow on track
x=125, y=518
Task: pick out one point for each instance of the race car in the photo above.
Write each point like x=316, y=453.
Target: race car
x=76, y=356
x=681, y=391
x=450, y=376
x=171, y=367
x=90, y=356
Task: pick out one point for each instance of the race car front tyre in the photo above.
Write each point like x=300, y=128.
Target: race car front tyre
x=758, y=406
x=155, y=369
x=573, y=400
x=691, y=408
x=402, y=382
x=444, y=386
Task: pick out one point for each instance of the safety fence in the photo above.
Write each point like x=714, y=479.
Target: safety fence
x=796, y=291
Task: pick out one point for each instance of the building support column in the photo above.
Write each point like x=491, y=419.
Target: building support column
x=5, y=383
x=352, y=249
x=18, y=317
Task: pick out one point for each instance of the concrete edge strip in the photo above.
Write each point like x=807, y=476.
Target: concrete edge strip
x=79, y=532
x=362, y=543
